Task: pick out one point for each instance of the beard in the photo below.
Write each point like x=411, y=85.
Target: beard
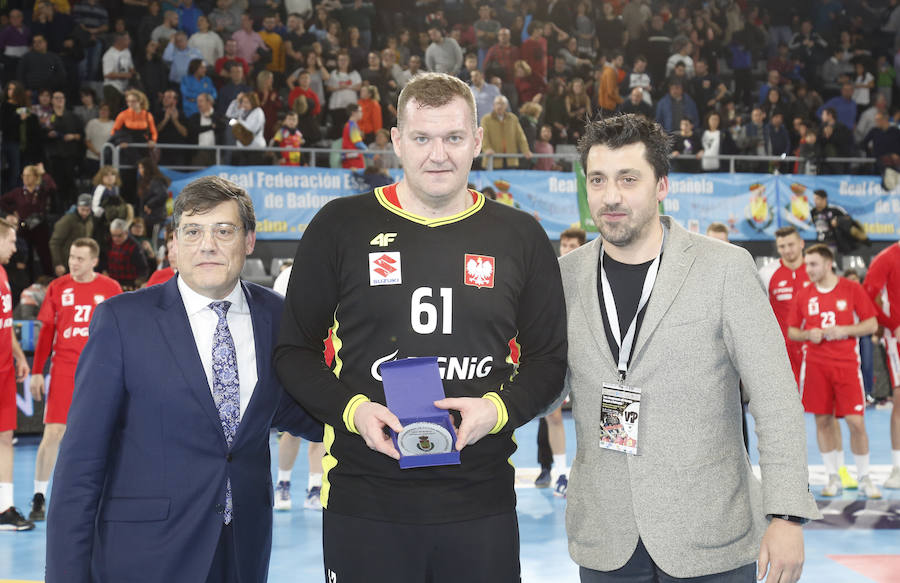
x=624, y=232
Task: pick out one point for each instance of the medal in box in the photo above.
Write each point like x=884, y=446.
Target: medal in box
x=411, y=386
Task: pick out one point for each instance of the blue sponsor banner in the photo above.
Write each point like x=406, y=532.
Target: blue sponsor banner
x=753, y=206
x=876, y=209
x=287, y=197
x=746, y=203
x=548, y=196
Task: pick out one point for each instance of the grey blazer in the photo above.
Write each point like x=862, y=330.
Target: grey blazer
x=690, y=494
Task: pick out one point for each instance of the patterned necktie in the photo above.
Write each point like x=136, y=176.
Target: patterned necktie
x=226, y=388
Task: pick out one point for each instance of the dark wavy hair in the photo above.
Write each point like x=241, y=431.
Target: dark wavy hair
x=622, y=130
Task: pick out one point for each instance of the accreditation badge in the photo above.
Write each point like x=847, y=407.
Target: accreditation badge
x=620, y=411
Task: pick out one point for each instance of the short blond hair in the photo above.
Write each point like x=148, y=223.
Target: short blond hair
x=141, y=97
x=435, y=90
x=531, y=109
x=32, y=169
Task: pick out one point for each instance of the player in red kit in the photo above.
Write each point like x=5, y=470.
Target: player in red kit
x=828, y=316
x=783, y=279
x=65, y=316
x=13, y=368
x=882, y=283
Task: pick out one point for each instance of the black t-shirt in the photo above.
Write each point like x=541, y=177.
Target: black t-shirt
x=626, y=282
x=822, y=220
x=388, y=284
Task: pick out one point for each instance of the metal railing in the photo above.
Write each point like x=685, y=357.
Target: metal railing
x=114, y=151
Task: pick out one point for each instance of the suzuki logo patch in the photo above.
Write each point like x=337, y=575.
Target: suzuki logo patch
x=479, y=270
x=384, y=268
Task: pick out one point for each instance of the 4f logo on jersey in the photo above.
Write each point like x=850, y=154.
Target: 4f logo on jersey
x=383, y=239
x=68, y=297
x=384, y=268
x=479, y=270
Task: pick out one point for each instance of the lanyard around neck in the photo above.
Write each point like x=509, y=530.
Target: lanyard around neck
x=626, y=343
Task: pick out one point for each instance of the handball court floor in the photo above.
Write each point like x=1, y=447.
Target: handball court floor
x=859, y=542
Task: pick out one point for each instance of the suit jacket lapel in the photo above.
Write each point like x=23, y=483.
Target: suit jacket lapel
x=590, y=303
x=176, y=329
x=677, y=259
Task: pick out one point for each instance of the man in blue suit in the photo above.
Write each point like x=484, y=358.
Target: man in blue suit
x=164, y=471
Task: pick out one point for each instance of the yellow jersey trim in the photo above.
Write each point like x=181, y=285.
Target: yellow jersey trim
x=477, y=206
x=350, y=410
x=336, y=343
x=502, y=414
x=329, y=462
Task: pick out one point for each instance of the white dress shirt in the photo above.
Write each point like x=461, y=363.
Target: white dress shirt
x=206, y=138
x=203, y=324
x=281, y=282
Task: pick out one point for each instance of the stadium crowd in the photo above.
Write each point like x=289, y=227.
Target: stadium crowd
x=811, y=79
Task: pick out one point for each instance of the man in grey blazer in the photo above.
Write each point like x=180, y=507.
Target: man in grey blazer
x=693, y=322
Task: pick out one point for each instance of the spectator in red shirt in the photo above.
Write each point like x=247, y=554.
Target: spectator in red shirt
x=501, y=57
x=529, y=84
x=269, y=101
x=534, y=49
x=222, y=64
x=303, y=88
x=308, y=109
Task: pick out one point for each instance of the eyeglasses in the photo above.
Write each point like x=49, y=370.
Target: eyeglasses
x=222, y=232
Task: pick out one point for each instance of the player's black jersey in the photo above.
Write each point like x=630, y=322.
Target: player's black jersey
x=391, y=285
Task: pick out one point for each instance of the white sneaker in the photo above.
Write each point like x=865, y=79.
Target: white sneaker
x=833, y=487
x=868, y=489
x=313, y=498
x=283, y=496
x=893, y=481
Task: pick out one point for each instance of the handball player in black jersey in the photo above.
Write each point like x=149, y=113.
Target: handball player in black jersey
x=424, y=267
